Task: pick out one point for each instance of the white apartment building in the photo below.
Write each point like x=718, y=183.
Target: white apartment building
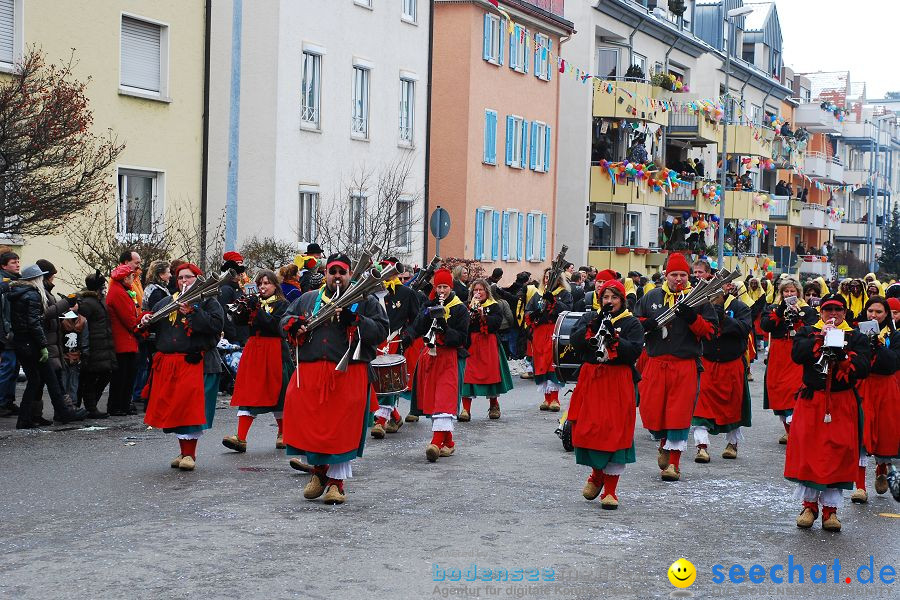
x=312, y=103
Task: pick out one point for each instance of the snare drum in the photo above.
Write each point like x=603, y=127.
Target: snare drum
x=389, y=374
x=566, y=360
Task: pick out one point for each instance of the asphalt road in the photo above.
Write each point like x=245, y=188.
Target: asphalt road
x=98, y=513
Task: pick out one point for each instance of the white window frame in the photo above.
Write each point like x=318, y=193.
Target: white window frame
x=409, y=11
x=539, y=145
x=357, y=218
x=157, y=201
x=486, y=213
x=162, y=94
x=602, y=49
x=18, y=41
x=518, y=60
x=497, y=39
x=511, y=234
x=632, y=224
x=359, y=118
x=364, y=4
x=533, y=254
x=518, y=140
x=407, y=119
x=541, y=64
x=641, y=61
x=403, y=237
x=307, y=211
x=311, y=114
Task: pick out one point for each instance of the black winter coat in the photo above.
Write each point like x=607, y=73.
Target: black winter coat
x=52, y=314
x=229, y=292
x=27, y=317
x=102, y=357
x=456, y=328
x=629, y=338
x=857, y=348
x=730, y=343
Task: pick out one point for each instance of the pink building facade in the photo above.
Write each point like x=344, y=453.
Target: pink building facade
x=495, y=102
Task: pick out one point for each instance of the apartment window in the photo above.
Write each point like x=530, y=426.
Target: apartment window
x=749, y=52
x=363, y=3
x=632, y=229
x=755, y=114
x=542, y=48
x=357, y=219
x=306, y=222
x=490, y=137
x=640, y=61
x=507, y=227
x=481, y=216
x=142, y=64
x=409, y=10
x=407, y=110
x=540, y=147
x=657, y=67
x=518, y=50
x=360, y=125
x=601, y=229
x=607, y=62
x=536, y=237
x=493, y=39
x=403, y=223
x=8, y=9
x=520, y=236
x=139, y=206
x=311, y=89
x=516, y=141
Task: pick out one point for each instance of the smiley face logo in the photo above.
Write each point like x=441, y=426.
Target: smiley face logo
x=682, y=573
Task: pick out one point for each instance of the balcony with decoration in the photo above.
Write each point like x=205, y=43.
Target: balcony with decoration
x=817, y=118
x=826, y=169
x=613, y=183
x=696, y=122
x=750, y=140
x=816, y=216
x=635, y=100
x=814, y=266
x=698, y=195
x=785, y=211
x=741, y=204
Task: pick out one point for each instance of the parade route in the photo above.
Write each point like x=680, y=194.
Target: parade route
x=98, y=513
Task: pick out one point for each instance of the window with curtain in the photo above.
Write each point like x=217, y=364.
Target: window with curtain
x=607, y=62
x=407, y=109
x=137, y=203
x=306, y=218
x=360, y=123
x=311, y=89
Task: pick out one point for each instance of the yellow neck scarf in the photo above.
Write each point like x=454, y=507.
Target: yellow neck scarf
x=672, y=297
x=622, y=315
x=392, y=284
x=484, y=304
x=596, y=301
x=173, y=316
x=266, y=304
x=843, y=326
x=453, y=302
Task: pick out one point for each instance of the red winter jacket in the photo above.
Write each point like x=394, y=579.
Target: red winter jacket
x=123, y=317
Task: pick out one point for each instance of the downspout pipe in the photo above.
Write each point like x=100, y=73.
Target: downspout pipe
x=426, y=201
x=631, y=42
x=668, y=52
x=204, y=177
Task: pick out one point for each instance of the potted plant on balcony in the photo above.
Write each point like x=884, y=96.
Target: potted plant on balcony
x=677, y=7
x=634, y=73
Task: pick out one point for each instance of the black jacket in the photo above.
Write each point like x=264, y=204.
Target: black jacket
x=461, y=290
x=487, y=320
x=52, y=313
x=730, y=343
x=585, y=304
x=27, y=317
x=229, y=292
x=886, y=357
x=540, y=312
x=629, y=340
x=205, y=324
x=578, y=296
x=857, y=349
x=680, y=341
x=773, y=320
x=456, y=328
x=102, y=357
x=330, y=341
x=267, y=324
x=402, y=306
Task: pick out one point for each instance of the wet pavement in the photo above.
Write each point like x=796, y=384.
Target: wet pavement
x=94, y=511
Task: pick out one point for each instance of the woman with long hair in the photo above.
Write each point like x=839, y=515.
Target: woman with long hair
x=487, y=370
x=541, y=312
x=783, y=376
x=880, y=401
x=265, y=367
x=290, y=282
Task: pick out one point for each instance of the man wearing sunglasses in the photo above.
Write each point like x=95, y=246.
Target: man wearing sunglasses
x=823, y=450
x=326, y=410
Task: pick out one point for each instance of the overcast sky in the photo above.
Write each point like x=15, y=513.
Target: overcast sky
x=860, y=36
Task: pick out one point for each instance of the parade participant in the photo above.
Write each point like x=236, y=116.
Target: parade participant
x=265, y=366
x=326, y=410
x=402, y=305
x=670, y=377
x=444, y=321
x=855, y=298
x=487, y=370
x=823, y=454
x=229, y=293
x=603, y=406
x=874, y=288
x=757, y=305
x=290, y=282
x=182, y=396
x=880, y=401
x=894, y=304
x=723, y=405
x=783, y=375
x=591, y=300
x=541, y=313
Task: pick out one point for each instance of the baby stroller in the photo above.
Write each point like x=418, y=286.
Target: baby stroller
x=230, y=356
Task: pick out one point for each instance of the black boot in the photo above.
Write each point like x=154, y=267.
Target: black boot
x=94, y=413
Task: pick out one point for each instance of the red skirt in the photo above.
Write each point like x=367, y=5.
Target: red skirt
x=641, y=362
x=783, y=376
x=260, y=373
x=881, y=414
x=542, y=347
x=483, y=364
x=668, y=390
x=819, y=452
x=603, y=408
x=326, y=413
x=757, y=326
x=437, y=382
x=721, y=392
x=176, y=393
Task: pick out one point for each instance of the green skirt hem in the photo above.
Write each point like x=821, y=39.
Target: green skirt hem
x=672, y=435
x=598, y=459
x=841, y=485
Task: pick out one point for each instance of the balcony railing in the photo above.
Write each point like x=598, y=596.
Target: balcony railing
x=779, y=206
x=681, y=197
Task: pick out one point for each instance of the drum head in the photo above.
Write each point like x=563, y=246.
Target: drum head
x=388, y=360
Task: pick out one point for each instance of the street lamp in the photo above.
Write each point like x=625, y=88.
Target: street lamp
x=731, y=15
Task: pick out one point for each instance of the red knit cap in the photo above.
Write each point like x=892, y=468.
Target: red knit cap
x=190, y=267
x=121, y=272
x=442, y=277
x=232, y=255
x=677, y=262
x=606, y=275
x=615, y=285
x=894, y=303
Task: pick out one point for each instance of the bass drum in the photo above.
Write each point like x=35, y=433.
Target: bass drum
x=566, y=361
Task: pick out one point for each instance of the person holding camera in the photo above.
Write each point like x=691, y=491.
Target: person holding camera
x=265, y=366
x=823, y=455
x=184, y=377
x=783, y=375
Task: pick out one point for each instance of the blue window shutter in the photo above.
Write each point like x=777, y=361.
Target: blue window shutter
x=523, y=159
x=479, y=234
x=493, y=132
x=550, y=67
x=529, y=238
x=487, y=37
x=510, y=131
x=495, y=233
x=543, y=237
x=519, y=238
x=500, y=30
x=513, y=41
x=547, y=150
x=537, y=49
x=524, y=54
x=534, y=150
x=504, y=231
x=487, y=136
